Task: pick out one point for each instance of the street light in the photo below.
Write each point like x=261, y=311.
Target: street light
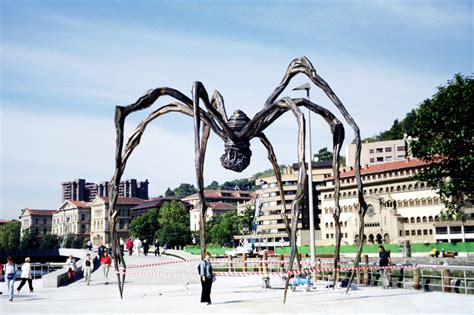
x=306, y=87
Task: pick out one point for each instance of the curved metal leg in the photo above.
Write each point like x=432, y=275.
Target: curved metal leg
x=302, y=175
x=200, y=144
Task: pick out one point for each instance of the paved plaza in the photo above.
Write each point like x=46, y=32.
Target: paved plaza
x=174, y=288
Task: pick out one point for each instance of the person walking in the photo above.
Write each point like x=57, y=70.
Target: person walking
x=1, y=276
x=71, y=268
x=26, y=275
x=146, y=247
x=207, y=277
x=129, y=245
x=87, y=268
x=89, y=245
x=137, y=245
x=157, y=247
x=384, y=262
x=10, y=277
x=105, y=263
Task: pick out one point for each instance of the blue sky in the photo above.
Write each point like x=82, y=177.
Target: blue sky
x=65, y=65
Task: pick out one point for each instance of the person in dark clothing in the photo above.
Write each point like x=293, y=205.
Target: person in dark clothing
x=157, y=248
x=146, y=246
x=100, y=251
x=384, y=261
x=205, y=271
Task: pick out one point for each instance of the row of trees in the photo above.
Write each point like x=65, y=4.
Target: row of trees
x=11, y=239
x=170, y=224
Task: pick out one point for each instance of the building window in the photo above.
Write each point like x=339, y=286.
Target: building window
x=401, y=148
x=372, y=160
x=425, y=232
x=371, y=151
x=388, y=149
x=379, y=150
x=400, y=233
x=327, y=236
x=388, y=158
x=418, y=232
x=413, y=232
x=380, y=159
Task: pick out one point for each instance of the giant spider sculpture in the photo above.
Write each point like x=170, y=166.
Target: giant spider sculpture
x=236, y=131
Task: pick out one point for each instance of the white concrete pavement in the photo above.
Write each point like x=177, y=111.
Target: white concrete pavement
x=168, y=293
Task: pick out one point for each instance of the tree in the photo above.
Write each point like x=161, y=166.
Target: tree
x=174, y=224
x=145, y=226
x=10, y=236
x=184, y=190
x=169, y=192
x=213, y=185
x=445, y=130
x=72, y=241
x=28, y=240
x=50, y=241
x=323, y=155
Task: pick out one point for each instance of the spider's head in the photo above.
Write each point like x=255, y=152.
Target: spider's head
x=236, y=156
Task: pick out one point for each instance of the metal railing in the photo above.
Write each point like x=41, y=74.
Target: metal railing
x=441, y=278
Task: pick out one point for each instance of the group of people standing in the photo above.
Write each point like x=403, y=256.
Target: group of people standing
x=138, y=246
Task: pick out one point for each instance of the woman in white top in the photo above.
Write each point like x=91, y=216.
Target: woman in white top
x=10, y=277
x=26, y=275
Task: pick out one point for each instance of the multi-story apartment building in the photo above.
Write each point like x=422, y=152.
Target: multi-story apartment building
x=399, y=208
x=218, y=202
x=270, y=230
x=38, y=221
x=73, y=217
x=457, y=230
x=81, y=190
x=100, y=226
x=373, y=153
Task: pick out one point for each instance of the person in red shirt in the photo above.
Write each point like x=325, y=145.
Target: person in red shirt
x=129, y=245
x=105, y=263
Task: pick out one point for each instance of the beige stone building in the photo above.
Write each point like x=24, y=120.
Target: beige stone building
x=39, y=221
x=218, y=202
x=100, y=226
x=73, y=217
x=399, y=208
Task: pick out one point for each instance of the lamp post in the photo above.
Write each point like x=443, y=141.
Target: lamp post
x=306, y=87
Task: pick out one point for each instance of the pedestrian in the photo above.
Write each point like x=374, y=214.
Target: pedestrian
x=129, y=245
x=207, y=277
x=105, y=263
x=165, y=247
x=122, y=245
x=71, y=268
x=137, y=244
x=25, y=275
x=89, y=245
x=101, y=250
x=87, y=268
x=384, y=262
x=109, y=250
x=10, y=277
x=1, y=276
x=145, y=247
x=157, y=247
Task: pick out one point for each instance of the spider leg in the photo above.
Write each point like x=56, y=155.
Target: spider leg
x=183, y=105
x=297, y=202
x=200, y=144
x=303, y=65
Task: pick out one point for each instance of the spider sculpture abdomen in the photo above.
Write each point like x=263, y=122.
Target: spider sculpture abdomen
x=236, y=156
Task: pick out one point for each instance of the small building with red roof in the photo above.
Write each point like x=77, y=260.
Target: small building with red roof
x=39, y=221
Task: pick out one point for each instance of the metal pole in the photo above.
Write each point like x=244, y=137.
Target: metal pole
x=310, y=190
